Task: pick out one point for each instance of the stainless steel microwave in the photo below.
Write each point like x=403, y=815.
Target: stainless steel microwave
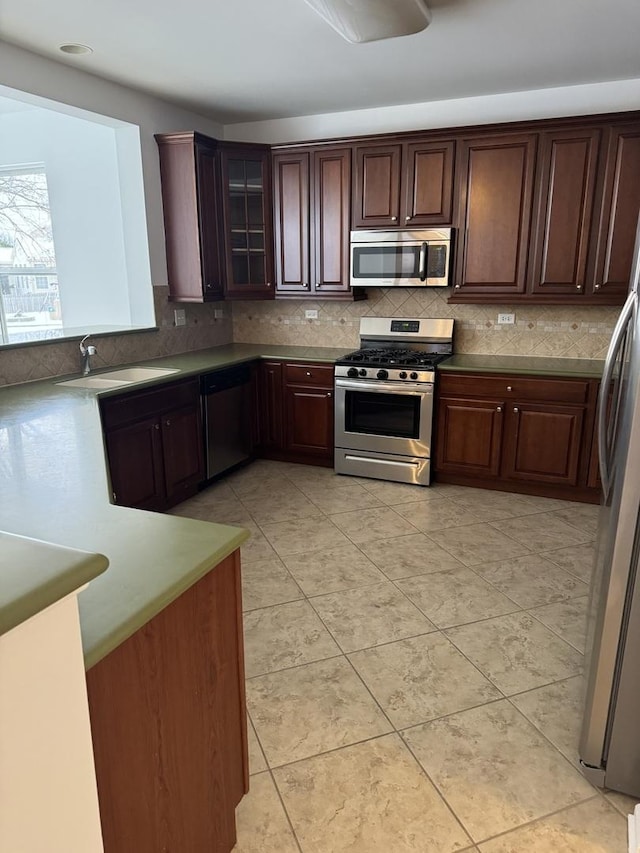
x=401, y=258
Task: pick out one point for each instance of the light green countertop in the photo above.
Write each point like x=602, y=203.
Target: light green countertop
x=36, y=574
x=579, y=368
x=54, y=488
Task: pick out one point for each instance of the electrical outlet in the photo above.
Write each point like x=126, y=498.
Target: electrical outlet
x=180, y=317
x=311, y=314
x=218, y=313
x=506, y=319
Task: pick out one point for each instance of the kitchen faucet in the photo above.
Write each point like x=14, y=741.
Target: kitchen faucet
x=86, y=351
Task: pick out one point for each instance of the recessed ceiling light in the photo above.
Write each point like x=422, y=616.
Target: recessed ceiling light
x=75, y=49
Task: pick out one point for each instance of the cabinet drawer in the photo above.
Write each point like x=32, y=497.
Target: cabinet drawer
x=514, y=387
x=135, y=405
x=318, y=375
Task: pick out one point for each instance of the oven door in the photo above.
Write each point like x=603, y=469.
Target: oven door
x=384, y=417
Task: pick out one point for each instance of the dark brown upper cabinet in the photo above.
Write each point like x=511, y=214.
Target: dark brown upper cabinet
x=403, y=185
x=615, y=225
x=217, y=217
x=248, y=233
x=312, y=204
x=566, y=188
x=496, y=176
x=191, y=205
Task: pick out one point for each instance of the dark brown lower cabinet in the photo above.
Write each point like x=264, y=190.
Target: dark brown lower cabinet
x=295, y=412
x=154, y=445
x=168, y=723
x=517, y=433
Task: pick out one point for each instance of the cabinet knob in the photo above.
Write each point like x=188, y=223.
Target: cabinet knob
x=168, y=423
x=499, y=409
x=329, y=395
x=308, y=373
x=457, y=287
x=596, y=287
x=578, y=287
x=156, y=426
x=516, y=410
x=509, y=388
x=394, y=218
x=407, y=219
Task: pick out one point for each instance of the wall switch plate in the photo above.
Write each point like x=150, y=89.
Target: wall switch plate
x=180, y=317
x=218, y=313
x=311, y=314
x=506, y=319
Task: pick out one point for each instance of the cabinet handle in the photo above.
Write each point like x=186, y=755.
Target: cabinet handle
x=509, y=388
x=394, y=218
x=516, y=410
x=499, y=409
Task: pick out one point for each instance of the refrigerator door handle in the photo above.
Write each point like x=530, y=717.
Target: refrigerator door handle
x=617, y=341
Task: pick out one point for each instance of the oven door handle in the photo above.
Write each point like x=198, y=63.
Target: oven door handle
x=422, y=264
x=409, y=388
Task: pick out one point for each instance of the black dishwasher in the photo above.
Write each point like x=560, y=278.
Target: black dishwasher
x=226, y=407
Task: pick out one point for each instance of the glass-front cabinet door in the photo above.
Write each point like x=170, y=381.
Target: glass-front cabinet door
x=246, y=180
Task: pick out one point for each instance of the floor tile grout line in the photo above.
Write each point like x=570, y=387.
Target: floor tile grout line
x=553, y=630
x=284, y=809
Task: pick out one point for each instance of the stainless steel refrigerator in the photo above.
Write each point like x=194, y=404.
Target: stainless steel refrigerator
x=610, y=741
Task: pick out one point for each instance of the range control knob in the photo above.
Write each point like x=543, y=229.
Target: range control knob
x=383, y=374
x=362, y=372
x=403, y=374
x=353, y=371
x=414, y=375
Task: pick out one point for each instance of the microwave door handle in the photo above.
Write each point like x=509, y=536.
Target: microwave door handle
x=422, y=264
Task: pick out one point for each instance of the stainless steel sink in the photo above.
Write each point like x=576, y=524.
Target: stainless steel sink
x=117, y=378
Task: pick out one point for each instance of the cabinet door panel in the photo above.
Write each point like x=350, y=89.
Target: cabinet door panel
x=428, y=173
x=270, y=405
x=208, y=216
x=135, y=464
x=619, y=215
x=495, y=210
x=565, y=206
x=331, y=210
x=182, y=451
x=291, y=189
x=543, y=443
x=469, y=436
x=377, y=186
x=309, y=420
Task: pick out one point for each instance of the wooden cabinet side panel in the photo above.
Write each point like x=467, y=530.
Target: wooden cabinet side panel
x=495, y=208
x=181, y=225
x=428, y=173
x=270, y=412
x=168, y=725
x=569, y=163
x=291, y=205
x=331, y=218
x=208, y=186
x=619, y=218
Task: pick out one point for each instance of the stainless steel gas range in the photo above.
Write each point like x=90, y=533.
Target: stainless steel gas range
x=384, y=399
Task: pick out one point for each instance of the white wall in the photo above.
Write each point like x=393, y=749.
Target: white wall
x=621, y=95
x=20, y=69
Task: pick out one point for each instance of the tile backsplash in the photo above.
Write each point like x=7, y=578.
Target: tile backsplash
x=539, y=330
x=562, y=331
x=202, y=330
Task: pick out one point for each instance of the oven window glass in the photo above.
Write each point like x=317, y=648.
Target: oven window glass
x=381, y=413
x=392, y=262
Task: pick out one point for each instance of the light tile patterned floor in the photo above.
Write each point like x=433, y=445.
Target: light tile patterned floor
x=413, y=667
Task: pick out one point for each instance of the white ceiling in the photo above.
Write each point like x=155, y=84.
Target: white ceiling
x=245, y=60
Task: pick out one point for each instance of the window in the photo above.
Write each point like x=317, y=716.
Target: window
x=74, y=255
